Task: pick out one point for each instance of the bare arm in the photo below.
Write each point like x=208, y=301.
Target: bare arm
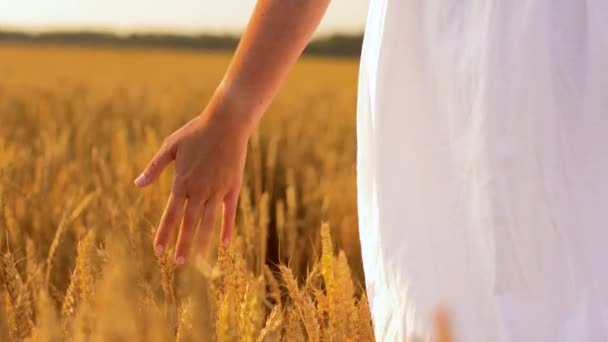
x=277, y=33
x=210, y=150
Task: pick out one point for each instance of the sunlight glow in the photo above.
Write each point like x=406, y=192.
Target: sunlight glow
x=184, y=16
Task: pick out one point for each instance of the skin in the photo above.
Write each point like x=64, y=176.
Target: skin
x=210, y=151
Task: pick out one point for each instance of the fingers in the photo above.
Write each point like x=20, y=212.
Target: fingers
x=442, y=326
x=205, y=230
x=170, y=217
x=155, y=168
x=228, y=217
x=192, y=216
x=195, y=215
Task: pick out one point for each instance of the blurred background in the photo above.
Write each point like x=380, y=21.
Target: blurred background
x=88, y=91
x=179, y=23
x=184, y=16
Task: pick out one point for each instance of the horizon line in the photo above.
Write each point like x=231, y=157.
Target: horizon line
x=154, y=29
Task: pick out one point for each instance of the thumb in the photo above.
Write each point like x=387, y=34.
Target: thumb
x=155, y=168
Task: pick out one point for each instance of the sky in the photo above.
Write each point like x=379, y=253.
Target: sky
x=182, y=16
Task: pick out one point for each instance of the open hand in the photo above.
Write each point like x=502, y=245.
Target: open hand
x=209, y=154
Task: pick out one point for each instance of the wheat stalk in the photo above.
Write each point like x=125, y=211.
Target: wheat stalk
x=292, y=329
x=364, y=325
x=185, y=323
x=70, y=302
x=47, y=327
x=303, y=305
x=273, y=323
x=273, y=284
x=82, y=280
x=4, y=319
x=250, y=233
x=167, y=273
x=20, y=306
x=263, y=221
x=53, y=249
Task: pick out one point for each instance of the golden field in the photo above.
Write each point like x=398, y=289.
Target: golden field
x=78, y=124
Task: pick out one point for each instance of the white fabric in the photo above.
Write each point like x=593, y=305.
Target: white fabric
x=483, y=168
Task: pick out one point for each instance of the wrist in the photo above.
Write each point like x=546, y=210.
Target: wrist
x=230, y=105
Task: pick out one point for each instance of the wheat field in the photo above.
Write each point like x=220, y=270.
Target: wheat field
x=78, y=124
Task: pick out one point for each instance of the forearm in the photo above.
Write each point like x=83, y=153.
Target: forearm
x=276, y=35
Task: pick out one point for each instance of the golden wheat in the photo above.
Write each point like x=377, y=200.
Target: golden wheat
x=77, y=264
x=19, y=306
x=273, y=323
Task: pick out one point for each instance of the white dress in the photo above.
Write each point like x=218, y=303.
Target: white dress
x=483, y=168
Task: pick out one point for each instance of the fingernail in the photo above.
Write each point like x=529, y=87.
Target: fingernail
x=226, y=241
x=159, y=249
x=139, y=181
x=180, y=260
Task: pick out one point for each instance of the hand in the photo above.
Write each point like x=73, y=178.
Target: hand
x=209, y=154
